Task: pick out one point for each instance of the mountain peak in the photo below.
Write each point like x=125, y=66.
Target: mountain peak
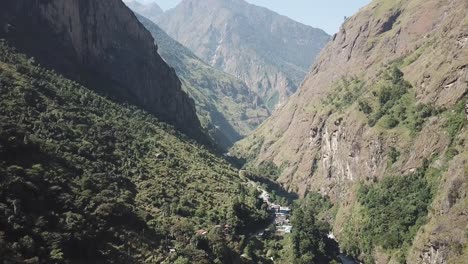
x=270, y=52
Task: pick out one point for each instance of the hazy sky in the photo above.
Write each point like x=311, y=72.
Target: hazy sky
x=325, y=14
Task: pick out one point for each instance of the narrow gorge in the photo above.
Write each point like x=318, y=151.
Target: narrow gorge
x=222, y=131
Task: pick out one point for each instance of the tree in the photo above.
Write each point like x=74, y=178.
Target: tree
x=309, y=236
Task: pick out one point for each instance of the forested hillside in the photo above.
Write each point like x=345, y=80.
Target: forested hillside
x=87, y=180
x=103, y=157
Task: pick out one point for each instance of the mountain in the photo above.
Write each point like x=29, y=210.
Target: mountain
x=102, y=45
x=93, y=166
x=270, y=52
x=149, y=10
x=379, y=126
x=87, y=180
x=228, y=110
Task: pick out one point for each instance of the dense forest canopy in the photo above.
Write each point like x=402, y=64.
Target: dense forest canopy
x=86, y=179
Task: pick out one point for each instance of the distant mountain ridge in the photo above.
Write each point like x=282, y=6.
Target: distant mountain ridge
x=226, y=107
x=270, y=52
x=152, y=10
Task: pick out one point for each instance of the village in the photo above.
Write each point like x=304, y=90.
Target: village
x=282, y=214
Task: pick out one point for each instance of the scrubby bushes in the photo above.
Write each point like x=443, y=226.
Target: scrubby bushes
x=390, y=213
x=456, y=119
x=346, y=92
x=310, y=243
x=391, y=90
x=83, y=179
x=267, y=169
x=397, y=207
x=394, y=104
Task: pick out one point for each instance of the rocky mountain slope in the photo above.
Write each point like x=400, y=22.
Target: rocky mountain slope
x=100, y=44
x=383, y=108
x=270, y=52
x=226, y=107
x=149, y=10
x=87, y=180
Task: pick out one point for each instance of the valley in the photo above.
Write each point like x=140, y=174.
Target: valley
x=220, y=131
x=228, y=110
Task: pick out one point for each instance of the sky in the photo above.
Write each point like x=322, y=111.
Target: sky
x=327, y=15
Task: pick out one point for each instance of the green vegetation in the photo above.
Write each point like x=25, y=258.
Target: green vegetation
x=309, y=236
x=322, y=206
x=262, y=249
x=390, y=213
x=394, y=104
x=456, y=119
x=83, y=178
x=278, y=194
x=308, y=242
x=255, y=145
x=226, y=108
x=393, y=155
x=266, y=174
x=390, y=90
x=347, y=91
x=396, y=206
x=266, y=169
x=365, y=107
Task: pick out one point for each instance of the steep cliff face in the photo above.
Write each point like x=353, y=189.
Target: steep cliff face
x=100, y=44
x=386, y=97
x=271, y=53
x=227, y=108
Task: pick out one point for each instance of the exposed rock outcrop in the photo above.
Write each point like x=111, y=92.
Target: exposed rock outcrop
x=102, y=45
x=324, y=120
x=270, y=52
x=227, y=108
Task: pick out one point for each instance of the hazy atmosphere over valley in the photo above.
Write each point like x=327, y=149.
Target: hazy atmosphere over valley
x=234, y=131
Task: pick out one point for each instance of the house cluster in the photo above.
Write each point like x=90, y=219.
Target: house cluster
x=282, y=221
x=282, y=214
